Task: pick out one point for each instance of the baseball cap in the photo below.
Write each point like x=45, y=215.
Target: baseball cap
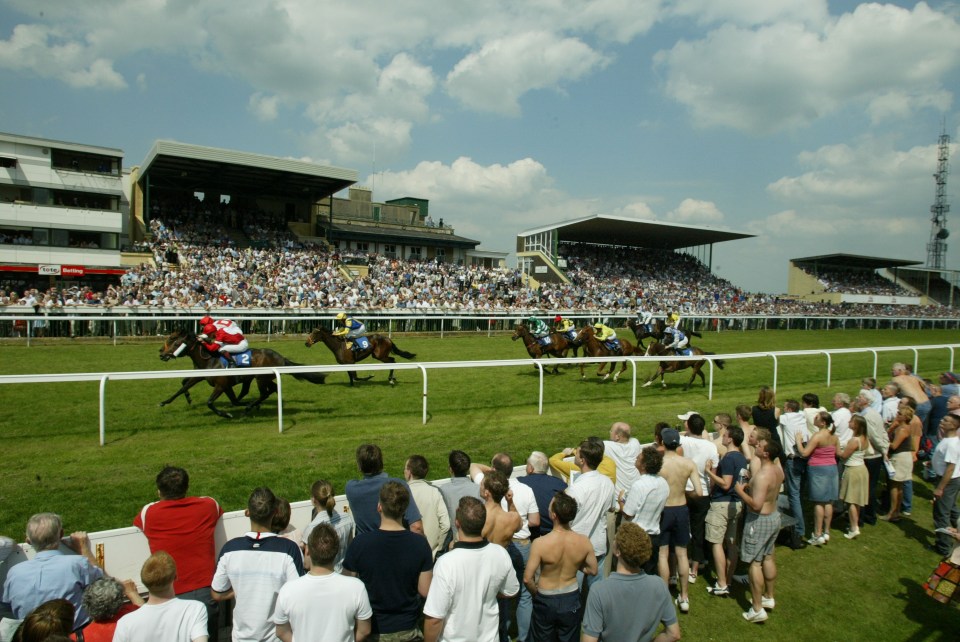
x=670, y=437
x=950, y=377
x=687, y=415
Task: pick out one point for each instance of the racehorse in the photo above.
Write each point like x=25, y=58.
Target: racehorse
x=640, y=330
x=594, y=348
x=559, y=344
x=381, y=347
x=185, y=343
x=657, y=349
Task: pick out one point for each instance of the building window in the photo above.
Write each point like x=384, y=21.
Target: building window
x=363, y=247
x=390, y=251
x=414, y=252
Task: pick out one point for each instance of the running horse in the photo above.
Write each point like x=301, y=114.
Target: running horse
x=558, y=347
x=381, y=348
x=594, y=348
x=181, y=343
x=657, y=349
x=640, y=330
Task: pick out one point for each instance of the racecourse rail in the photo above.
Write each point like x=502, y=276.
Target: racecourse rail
x=426, y=367
x=119, y=323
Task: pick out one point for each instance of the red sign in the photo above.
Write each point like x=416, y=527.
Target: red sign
x=72, y=270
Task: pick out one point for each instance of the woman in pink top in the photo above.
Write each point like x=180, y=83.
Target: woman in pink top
x=822, y=474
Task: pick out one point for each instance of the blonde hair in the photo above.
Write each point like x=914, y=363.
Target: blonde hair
x=767, y=398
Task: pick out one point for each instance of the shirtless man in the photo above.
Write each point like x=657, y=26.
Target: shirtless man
x=760, y=529
x=911, y=386
x=499, y=529
x=744, y=415
x=558, y=556
x=675, y=521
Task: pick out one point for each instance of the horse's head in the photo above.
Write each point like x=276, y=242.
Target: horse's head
x=585, y=333
x=314, y=337
x=519, y=331
x=175, y=343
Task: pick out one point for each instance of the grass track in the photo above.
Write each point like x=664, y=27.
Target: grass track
x=866, y=589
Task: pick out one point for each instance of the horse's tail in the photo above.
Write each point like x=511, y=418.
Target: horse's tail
x=312, y=377
x=696, y=334
x=719, y=362
x=403, y=353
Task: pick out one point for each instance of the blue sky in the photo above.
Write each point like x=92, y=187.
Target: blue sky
x=812, y=124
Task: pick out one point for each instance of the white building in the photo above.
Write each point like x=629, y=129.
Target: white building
x=63, y=211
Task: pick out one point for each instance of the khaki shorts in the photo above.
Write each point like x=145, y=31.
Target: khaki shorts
x=723, y=519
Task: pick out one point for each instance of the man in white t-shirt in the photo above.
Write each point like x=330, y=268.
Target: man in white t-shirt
x=946, y=464
x=891, y=402
x=164, y=616
x=623, y=450
x=841, y=417
x=703, y=452
x=526, y=504
x=643, y=504
x=596, y=496
x=462, y=603
x=323, y=605
x=792, y=424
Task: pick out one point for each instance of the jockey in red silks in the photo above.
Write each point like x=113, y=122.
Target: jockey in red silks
x=226, y=341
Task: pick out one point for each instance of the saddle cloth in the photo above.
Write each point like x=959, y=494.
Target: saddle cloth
x=243, y=359
x=361, y=343
x=545, y=341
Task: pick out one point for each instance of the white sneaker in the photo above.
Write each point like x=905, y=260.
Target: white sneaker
x=755, y=616
x=826, y=537
x=768, y=603
x=683, y=605
x=852, y=534
x=816, y=540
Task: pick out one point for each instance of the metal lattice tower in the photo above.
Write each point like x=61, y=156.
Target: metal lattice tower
x=937, y=247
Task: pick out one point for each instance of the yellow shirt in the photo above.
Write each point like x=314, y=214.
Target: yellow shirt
x=563, y=468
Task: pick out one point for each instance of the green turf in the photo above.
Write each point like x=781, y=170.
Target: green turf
x=866, y=589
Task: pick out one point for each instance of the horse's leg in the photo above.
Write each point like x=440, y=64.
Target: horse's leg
x=245, y=387
x=616, y=377
x=266, y=386
x=217, y=391
x=388, y=359
x=693, y=376
x=186, y=384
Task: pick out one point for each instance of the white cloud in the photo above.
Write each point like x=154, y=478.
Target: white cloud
x=494, y=78
x=49, y=53
x=694, y=211
x=637, y=209
x=518, y=181
x=265, y=108
x=789, y=74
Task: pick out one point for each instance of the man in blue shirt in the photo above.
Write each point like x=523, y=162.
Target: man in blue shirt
x=544, y=487
x=51, y=574
x=363, y=495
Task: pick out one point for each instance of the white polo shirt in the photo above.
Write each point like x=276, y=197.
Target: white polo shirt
x=596, y=496
x=625, y=457
x=702, y=452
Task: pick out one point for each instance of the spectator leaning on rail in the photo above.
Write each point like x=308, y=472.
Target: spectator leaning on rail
x=51, y=574
x=184, y=527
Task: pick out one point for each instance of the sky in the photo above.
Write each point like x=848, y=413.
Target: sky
x=808, y=123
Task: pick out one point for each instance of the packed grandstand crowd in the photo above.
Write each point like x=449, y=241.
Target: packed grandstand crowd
x=197, y=263
x=857, y=282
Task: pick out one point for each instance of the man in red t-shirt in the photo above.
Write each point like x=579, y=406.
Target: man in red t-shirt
x=184, y=527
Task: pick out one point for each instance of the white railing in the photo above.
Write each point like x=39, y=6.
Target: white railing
x=116, y=323
x=426, y=367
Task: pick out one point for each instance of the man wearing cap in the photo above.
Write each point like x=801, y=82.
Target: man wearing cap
x=675, y=519
x=702, y=452
x=607, y=336
x=349, y=328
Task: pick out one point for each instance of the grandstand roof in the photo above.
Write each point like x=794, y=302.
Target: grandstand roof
x=855, y=261
x=200, y=169
x=605, y=229
x=397, y=235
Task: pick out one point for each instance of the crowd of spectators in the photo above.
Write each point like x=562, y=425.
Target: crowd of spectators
x=561, y=546
x=197, y=263
x=857, y=282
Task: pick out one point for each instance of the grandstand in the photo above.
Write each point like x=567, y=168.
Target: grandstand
x=854, y=279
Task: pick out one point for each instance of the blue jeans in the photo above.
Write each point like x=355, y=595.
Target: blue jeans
x=525, y=604
x=795, y=470
x=592, y=579
x=504, y=603
x=556, y=617
x=906, y=505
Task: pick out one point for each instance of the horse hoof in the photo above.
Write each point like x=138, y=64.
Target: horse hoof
x=392, y=382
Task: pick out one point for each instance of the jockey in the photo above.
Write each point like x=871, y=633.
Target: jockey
x=565, y=327
x=607, y=335
x=538, y=328
x=224, y=341
x=645, y=317
x=349, y=328
x=677, y=339
x=226, y=324
x=673, y=319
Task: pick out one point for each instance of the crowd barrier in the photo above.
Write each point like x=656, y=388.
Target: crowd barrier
x=118, y=324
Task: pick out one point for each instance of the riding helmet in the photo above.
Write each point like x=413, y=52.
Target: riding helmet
x=205, y=320
x=342, y=316
x=209, y=329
